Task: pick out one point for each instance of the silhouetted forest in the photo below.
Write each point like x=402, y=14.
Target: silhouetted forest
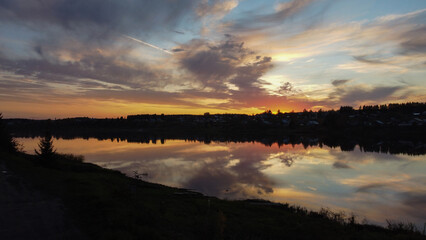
x=393, y=128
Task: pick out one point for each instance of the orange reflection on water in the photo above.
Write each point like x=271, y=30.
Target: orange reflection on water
x=372, y=185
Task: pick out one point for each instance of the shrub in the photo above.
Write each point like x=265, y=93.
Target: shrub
x=71, y=157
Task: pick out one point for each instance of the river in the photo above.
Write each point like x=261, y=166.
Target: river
x=373, y=186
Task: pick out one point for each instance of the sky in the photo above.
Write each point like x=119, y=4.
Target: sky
x=110, y=58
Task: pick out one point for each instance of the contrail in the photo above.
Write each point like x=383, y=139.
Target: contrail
x=147, y=44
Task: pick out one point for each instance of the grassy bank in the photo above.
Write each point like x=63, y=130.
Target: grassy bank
x=106, y=204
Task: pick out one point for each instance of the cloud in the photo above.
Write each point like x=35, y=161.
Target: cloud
x=287, y=89
x=402, y=47
x=226, y=62
x=89, y=66
x=245, y=179
x=369, y=42
x=75, y=48
x=232, y=70
x=287, y=9
x=207, y=71
x=288, y=159
x=369, y=60
x=217, y=8
x=102, y=16
x=148, y=44
x=339, y=82
x=223, y=171
x=178, y=50
x=357, y=94
x=341, y=165
x=208, y=63
x=370, y=186
x=415, y=43
x=253, y=21
x=211, y=12
x=415, y=203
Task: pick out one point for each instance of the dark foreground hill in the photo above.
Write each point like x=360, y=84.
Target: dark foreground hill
x=75, y=200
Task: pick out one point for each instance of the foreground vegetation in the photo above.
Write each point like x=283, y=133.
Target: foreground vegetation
x=106, y=204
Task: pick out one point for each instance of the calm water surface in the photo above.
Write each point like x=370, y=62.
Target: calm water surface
x=374, y=186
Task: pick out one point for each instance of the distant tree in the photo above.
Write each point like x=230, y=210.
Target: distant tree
x=46, y=150
x=7, y=143
x=346, y=110
x=332, y=119
x=268, y=112
x=320, y=113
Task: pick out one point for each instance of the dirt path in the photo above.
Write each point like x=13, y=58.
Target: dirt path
x=28, y=214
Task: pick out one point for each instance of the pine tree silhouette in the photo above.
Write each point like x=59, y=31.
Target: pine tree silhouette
x=7, y=143
x=46, y=150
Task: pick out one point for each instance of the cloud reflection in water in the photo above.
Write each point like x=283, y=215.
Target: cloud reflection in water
x=372, y=185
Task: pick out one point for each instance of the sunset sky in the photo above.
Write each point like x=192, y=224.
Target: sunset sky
x=110, y=58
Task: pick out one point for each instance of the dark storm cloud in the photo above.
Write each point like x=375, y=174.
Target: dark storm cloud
x=339, y=82
x=123, y=16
